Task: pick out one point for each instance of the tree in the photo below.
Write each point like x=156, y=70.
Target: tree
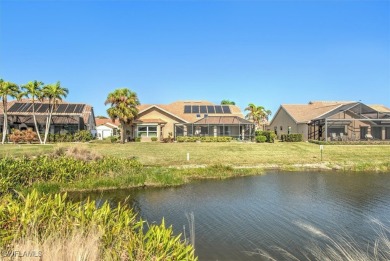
x=54, y=93
x=257, y=114
x=7, y=89
x=227, y=102
x=123, y=107
x=33, y=90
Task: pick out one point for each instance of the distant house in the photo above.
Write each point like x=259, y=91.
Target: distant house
x=67, y=117
x=190, y=118
x=106, y=128
x=321, y=120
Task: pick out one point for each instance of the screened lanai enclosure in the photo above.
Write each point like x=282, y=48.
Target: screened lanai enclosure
x=67, y=117
x=213, y=126
x=351, y=122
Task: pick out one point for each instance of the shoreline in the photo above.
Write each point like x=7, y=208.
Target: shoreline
x=233, y=172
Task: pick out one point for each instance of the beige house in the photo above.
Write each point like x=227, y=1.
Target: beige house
x=322, y=120
x=189, y=118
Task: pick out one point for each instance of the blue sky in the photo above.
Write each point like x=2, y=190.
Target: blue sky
x=262, y=52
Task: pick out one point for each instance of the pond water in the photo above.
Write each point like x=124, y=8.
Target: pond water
x=236, y=217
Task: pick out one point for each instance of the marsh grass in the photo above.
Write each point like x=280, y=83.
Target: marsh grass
x=63, y=230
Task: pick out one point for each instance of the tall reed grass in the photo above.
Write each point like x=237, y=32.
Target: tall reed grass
x=63, y=230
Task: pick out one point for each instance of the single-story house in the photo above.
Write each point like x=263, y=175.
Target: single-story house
x=67, y=117
x=106, y=128
x=189, y=118
x=339, y=120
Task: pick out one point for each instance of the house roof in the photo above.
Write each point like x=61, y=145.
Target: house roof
x=25, y=107
x=176, y=109
x=104, y=121
x=226, y=120
x=380, y=108
x=150, y=121
x=303, y=113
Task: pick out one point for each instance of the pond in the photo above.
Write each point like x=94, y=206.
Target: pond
x=235, y=218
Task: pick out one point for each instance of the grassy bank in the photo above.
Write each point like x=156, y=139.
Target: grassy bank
x=354, y=157
x=76, y=168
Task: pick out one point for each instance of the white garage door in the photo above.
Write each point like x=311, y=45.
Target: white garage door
x=106, y=133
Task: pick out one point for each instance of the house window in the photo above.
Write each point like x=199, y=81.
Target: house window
x=114, y=132
x=147, y=131
x=281, y=128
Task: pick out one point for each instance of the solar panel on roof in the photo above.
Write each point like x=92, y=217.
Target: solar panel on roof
x=195, y=108
x=211, y=109
x=24, y=107
x=218, y=109
x=43, y=108
x=29, y=108
x=79, y=108
x=36, y=106
x=61, y=108
x=203, y=109
x=187, y=108
x=70, y=108
x=15, y=107
x=226, y=109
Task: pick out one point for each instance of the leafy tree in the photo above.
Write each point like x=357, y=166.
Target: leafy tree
x=123, y=107
x=7, y=89
x=227, y=102
x=33, y=90
x=258, y=114
x=54, y=93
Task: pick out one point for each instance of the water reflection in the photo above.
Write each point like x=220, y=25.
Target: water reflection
x=235, y=217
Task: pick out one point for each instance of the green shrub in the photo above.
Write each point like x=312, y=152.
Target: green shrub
x=154, y=138
x=271, y=136
x=83, y=135
x=138, y=139
x=114, y=139
x=261, y=138
x=293, y=137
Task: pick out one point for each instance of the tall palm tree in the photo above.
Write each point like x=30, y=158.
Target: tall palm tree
x=123, y=107
x=257, y=114
x=54, y=93
x=253, y=114
x=7, y=89
x=33, y=90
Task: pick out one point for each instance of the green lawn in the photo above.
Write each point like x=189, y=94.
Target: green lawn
x=234, y=153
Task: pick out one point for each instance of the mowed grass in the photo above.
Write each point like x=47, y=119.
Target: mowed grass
x=234, y=153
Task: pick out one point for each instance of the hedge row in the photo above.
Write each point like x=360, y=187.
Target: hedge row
x=293, y=137
x=203, y=139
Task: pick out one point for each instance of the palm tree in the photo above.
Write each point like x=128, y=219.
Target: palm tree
x=7, y=89
x=33, y=90
x=54, y=93
x=257, y=114
x=123, y=107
